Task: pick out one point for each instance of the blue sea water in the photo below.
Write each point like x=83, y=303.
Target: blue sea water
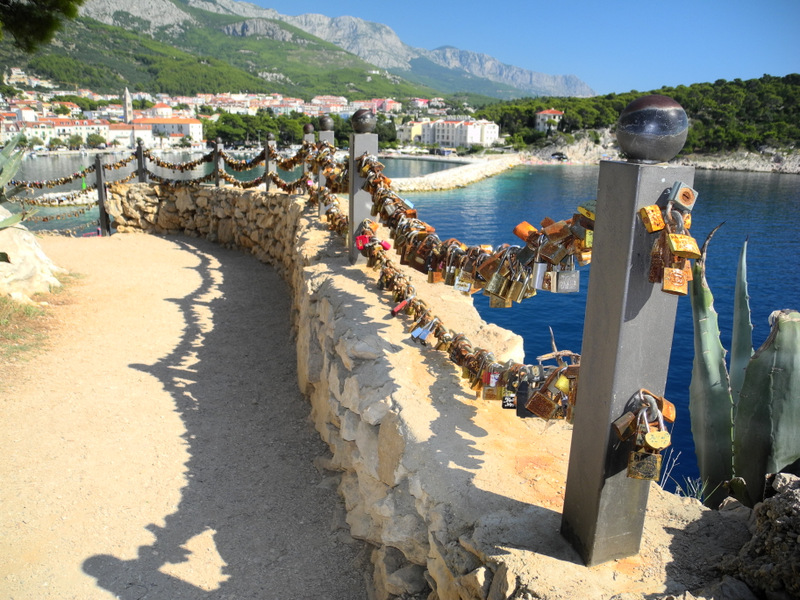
x=759, y=207
x=762, y=208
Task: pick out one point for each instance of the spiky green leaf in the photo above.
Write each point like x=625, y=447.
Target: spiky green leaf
x=742, y=337
x=11, y=221
x=710, y=403
x=766, y=437
x=10, y=167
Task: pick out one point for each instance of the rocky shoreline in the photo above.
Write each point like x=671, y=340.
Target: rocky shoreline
x=586, y=152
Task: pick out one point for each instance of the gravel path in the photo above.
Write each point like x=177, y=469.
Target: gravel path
x=159, y=448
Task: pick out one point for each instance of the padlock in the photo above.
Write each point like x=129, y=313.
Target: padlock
x=652, y=218
x=625, y=426
x=567, y=281
x=587, y=209
x=644, y=465
x=682, y=196
x=667, y=408
x=679, y=242
x=659, y=255
x=660, y=439
x=542, y=405
x=674, y=281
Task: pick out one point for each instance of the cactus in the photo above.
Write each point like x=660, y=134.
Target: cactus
x=710, y=401
x=743, y=423
x=766, y=439
x=9, y=164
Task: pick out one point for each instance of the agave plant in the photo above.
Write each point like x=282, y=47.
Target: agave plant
x=744, y=421
x=9, y=164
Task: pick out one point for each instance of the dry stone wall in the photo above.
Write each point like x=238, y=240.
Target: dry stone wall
x=458, y=499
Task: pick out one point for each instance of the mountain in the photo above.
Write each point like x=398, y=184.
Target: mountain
x=445, y=69
x=380, y=45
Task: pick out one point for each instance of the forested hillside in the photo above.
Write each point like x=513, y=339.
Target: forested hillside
x=106, y=59
x=723, y=116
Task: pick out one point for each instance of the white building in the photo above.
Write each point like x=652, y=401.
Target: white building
x=543, y=118
x=127, y=135
x=450, y=134
x=173, y=129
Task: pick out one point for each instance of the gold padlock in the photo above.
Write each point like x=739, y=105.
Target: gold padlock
x=683, y=245
x=680, y=243
x=660, y=439
x=674, y=281
x=652, y=218
x=644, y=465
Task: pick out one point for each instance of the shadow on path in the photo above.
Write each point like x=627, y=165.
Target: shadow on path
x=250, y=483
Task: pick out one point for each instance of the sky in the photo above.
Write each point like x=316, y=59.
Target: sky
x=613, y=46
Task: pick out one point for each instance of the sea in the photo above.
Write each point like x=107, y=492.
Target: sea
x=761, y=209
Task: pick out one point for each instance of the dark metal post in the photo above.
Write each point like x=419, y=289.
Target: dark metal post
x=105, y=226
x=627, y=340
x=308, y=136
x=325, y=135
x=218, y=164
x=362, y=141
x=141, y=167
x=271, y=165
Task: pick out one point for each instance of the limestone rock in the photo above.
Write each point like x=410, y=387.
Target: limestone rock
x=29, y=271
x=770, y=561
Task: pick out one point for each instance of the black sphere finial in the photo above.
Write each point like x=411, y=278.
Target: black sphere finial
x=326, y=123
x=363, y=121
x=308, y=128
x=652, y=129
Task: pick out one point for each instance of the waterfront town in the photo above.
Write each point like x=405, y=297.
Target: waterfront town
x=178, y=121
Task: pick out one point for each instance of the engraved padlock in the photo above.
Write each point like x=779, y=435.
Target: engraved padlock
x=644, y=465
x=660, y=439
x=679, y=242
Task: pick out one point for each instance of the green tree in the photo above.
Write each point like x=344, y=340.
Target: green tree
x=60, y=109
x=35, y=141
x=55, y=142
x=74, y=141
x=94, y=140
x=35, y=22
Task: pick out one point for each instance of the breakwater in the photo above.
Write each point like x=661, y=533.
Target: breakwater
x=460, y=176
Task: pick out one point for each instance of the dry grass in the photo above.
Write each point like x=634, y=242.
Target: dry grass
x=24, y=327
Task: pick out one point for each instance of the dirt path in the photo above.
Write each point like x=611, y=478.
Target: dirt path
x=159, y=447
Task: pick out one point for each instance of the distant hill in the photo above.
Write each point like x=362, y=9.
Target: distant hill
x=307, y=54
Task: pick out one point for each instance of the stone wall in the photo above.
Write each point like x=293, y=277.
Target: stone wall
x=458, y=499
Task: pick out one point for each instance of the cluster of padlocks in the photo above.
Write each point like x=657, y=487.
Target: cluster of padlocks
x=507, y=273
x=242, y=165
x=182, y=167
x=51, y=183
x=673, y=248
x=645, y=425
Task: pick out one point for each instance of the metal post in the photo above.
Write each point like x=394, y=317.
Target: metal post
x=626, y=346
x=308, y=136
x=363, y=140
x=325, y=135
x=217, y=161
x=271, y=165
x=141, y=168
x=105, y=227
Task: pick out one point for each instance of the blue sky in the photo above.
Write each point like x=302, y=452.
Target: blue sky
x=613, y=46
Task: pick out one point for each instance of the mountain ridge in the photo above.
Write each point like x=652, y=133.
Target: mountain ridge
x=375, y=43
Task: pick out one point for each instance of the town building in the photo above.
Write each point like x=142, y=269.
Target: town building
x=449, y=133
x=548, y=119
x=171, y=131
